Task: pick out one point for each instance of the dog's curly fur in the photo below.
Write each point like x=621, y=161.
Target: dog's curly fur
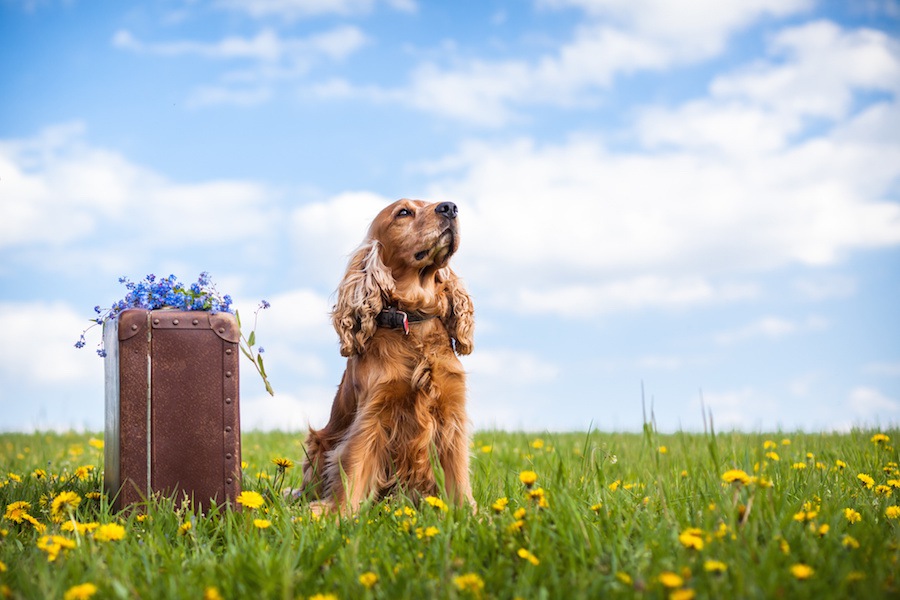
x=400, y=410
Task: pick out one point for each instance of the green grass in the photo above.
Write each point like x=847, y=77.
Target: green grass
x=616, y=509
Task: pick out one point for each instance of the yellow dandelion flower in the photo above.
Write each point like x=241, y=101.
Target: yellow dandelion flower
x=39, y=474
x=823, y=529
x=692, y=539
x=16, y=511
x=736, y=476
x=799, y=466
x=53, y=545
x=486, y=449
x=528, y=477
x=597, y=507
x=431, y=532
x=110, y=532
x=262, y=523
x=81, y=528
x=525, y=554
x=662, y=450
x=670, y=579
x=515, y=526
x=852, y=516
x=785, y=442
x=854, y=576
x=95, y=443
x=250, y=499
x=714, y=566
x=469, y=582
x=520, y=513
x=283, y=464
x=64, y=503
x=773, y=456
x=323, y=597
x=892, y=512
x=80, y=592
x=436, y=502
x=894, y=483
x=212, y=593
x=769, y=445
x=500, y=504
x=866, y=480
x=537, y=444
x=684, y=473
x=624, y=578
x=805, y=516
x=784, y=546
x=368, y=579
x=879, y=439
x=38, y=526
x=850, y=542
x=14, y=477
x=840, y=465
x=184, y=528
x=614, y=485
x=84, y=472
x=683, y=594
x=537, y=493
x=883, y=490
x=3, y=567
x=801, y=571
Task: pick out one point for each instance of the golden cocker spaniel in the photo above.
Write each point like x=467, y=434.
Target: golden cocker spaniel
x=399, y=416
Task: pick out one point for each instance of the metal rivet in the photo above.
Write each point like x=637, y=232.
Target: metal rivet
x=229, y=480
x=156, y=321
x=134, y=327
x=227, y=373
x=221, y=330
x=195, y=321
x=174, y=321
x=227, y=400
x=228, y=430
x=228, y=351
x=228, y=456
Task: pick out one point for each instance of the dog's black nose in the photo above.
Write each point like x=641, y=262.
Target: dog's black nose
x=447, y=209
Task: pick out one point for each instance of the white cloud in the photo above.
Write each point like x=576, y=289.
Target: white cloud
x=770, y=328
x=41, y=345
x=617, y=38
x=265, y=46
x=891, y=369
x=59, y=190
x=329, y=231
x=270, y=59
x=815, y=69
x=297, y=9
x=513, y=367
x=745, y=409
x=871, y=404
x=288, y=410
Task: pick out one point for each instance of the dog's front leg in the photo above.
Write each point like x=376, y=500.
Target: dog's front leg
x=362, y=461
x=454, y=457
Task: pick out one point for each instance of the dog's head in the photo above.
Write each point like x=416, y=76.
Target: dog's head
x=416, y=236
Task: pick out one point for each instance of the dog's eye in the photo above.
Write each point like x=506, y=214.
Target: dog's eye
x=404, y=212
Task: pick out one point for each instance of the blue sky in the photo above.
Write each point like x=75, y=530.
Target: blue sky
x=698, y=198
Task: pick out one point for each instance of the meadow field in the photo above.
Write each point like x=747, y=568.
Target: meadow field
x=576, y=515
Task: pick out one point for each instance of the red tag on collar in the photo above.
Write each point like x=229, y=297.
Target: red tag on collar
x=405, y=322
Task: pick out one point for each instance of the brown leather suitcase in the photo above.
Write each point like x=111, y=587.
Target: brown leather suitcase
x=172, y=417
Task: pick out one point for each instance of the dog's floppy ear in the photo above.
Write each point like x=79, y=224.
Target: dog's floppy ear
x=459, y=315
x=360, y=297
